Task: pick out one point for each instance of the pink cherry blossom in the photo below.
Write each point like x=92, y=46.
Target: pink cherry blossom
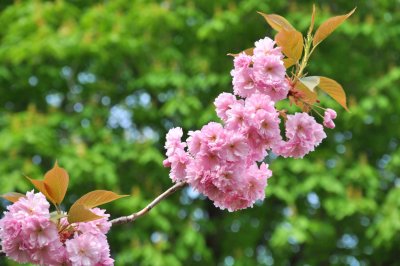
x=244, y=83
x=194, y=142
x=213, y=135
x=235, y=147
x=227, y=177
x=329, y=116
x=52, y=254
x=32, y=204
x=256, y=182
x=268, y=69
x=99, y=226
x=303, y=134
x=208, y=159
x=39, y=232
x=248, y=191
x=223, y=160
x=258, y=145
x=178, y=165
x=12, y=241
x=223, y=103
x=242, y=61
x=266, y=47
x=174, y=140
x=258, y=101
x=26, y=229
x=277, y=90
x=237, y=117
x=84, y=249
x=28, y=235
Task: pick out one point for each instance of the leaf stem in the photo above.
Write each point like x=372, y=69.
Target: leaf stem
x=305, y=58
x=58, y=209
x=320, y=107
x=65, y=227
x=145, y=210
x=312, y=50
x=318, y=113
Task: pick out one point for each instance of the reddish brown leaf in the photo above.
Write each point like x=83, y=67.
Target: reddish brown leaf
x=80, y=213
x=310, y=29
x=306, y=97
x=288, y=62
x=291, y=42
x=277, y=22
x=56, y=181
x=333, y=89
x=248, y=51
x=98, y=197
x=80, y=210
x=41, y=186
x=329, y=26
x=12, y=196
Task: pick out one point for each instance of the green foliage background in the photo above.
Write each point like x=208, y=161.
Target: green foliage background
x=97, y=84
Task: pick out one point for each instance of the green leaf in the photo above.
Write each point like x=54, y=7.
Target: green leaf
x=333, y=89
x=329, y=26
x=277, y=22
x=12, y=196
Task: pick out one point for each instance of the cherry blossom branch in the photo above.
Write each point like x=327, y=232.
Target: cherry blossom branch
x=145, y=210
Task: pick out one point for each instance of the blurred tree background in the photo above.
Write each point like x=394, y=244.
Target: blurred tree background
x=97, y=84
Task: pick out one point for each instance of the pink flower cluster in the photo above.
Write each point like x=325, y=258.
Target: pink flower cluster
x=224, y=161
x=263, y=72
x=28, y=235
x=303, y=134
x=220, y=161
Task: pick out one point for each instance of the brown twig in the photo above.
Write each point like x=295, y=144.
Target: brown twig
x=145, y=210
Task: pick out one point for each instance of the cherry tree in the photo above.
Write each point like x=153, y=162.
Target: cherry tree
x=225, y=161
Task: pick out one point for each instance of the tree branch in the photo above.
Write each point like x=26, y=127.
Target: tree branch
x=145, y=210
